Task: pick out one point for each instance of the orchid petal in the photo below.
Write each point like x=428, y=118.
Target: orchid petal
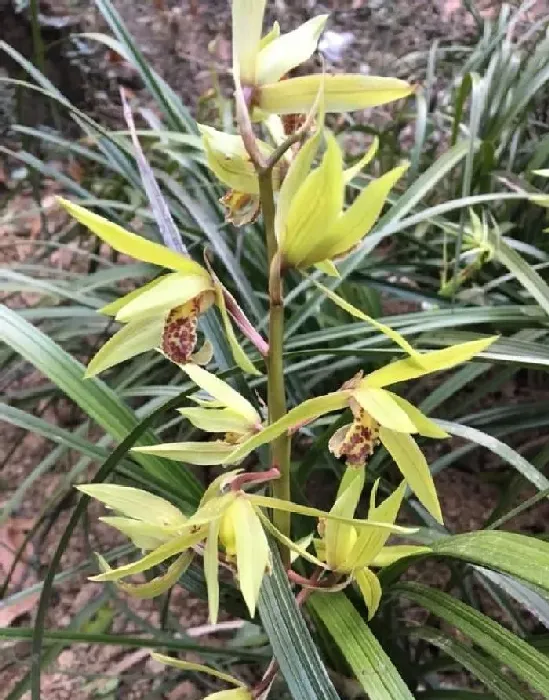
x=217, y=420
x=157, y=585
x=145, y=536
x=129, y=243
x=343, y=93
x=173, y=291
x=370, y=541
x=384, y=409
x=247, y=17
x=370, y=588
x=131, y=340
x=413, y=467
x=203, y=454
x=289, y=50
x=357, y=313
x=425, y=426
x=349, y=229
x=221, y=391
x=393, y=553
x=211, y=570
x=135, y=503
x=157, y=556
x=313, y=209
x=252, y=551
x=426, y=363
x=114, y=307
x=350, y=173
x=199, y=668
x=308, y=410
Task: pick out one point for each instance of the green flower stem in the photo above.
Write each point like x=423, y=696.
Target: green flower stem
x=280, y=448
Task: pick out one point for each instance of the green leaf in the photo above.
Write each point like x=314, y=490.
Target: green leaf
x=372, y=667
x=518, y=555
x=530, y=665
x=482, y=667
x=93, y=396
x=508, y=454
x=291, y=642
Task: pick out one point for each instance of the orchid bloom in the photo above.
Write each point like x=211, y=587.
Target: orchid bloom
x=163, y=314
x=311, y=226
x=224, y=410
x=228, y=159
x=349, y=551
x=226, y=518
x=379, y=415
x=260, y=64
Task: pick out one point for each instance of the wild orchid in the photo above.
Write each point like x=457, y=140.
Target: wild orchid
x=297, y=179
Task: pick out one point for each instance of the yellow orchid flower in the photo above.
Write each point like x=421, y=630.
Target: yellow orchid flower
x=228, y=159
x=225, y=411
x=310, y=223
x=226, y=517
x=260, y=64
x=163, y=314
x=379, y=415
x=348, y=551
x=240, y=692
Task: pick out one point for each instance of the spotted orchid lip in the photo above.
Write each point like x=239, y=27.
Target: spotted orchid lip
x=179, y=338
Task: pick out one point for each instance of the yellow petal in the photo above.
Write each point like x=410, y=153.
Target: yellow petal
x=157, y=556
x=428, y=362
x=270, y=36
x=247, y=16
x=232, y=169
x=114, y=307
x=339, y=538
x=131, y=340
x=390, y=555
x=350, y=173
x=313, y=209
x=413, y=467
x=145, y=536
x=368, y=526
x=349, y=229
x=221, y=391
x=135, y=503
x=370, y=588
x=217, y=420
x=203, y=454
x=211, y=570
x=252, y=551
x=386, y=411
x=288, y=51
x=199, y=668
x=157, y=585
x=357, y=313
x=307, y=411
x=298, y=549
x=128, y=243
x=425, y=426
x=343, y=93
x=371, y=540
x=295, y=177
x=173, y=291
x=328, y=268
x=234, y=694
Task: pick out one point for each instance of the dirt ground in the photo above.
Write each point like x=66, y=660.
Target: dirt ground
x=184, y=40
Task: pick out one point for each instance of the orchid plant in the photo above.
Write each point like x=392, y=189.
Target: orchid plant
x=296, y=179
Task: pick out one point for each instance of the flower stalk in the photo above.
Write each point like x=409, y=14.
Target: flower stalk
x=276, y=392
